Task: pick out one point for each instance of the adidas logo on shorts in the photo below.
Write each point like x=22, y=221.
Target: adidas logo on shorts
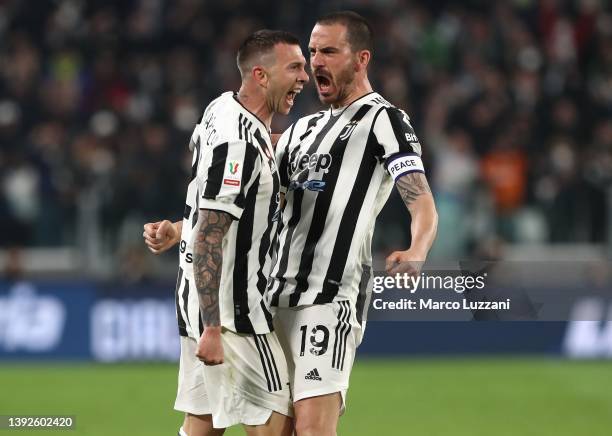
x=313, y=375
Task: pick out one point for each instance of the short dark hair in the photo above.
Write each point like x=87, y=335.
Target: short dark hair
x=261, y=43
x=358, y=31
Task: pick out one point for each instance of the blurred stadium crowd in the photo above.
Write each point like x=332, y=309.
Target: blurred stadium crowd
x=512, y=101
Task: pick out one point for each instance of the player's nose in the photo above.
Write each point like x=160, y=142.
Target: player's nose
x=303, y=77
x=316, y=60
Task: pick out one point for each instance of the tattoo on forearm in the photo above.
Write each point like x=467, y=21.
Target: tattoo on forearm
x=208, y=261
x=411, y=186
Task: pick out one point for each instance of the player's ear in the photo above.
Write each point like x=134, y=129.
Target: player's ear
x=260, y=75
x=363, y=59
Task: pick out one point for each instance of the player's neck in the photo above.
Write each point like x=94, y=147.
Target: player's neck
x=255, y=104
x=361, y=87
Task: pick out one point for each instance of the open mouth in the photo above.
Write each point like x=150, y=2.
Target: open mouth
x=323, y=83
x=290, y=98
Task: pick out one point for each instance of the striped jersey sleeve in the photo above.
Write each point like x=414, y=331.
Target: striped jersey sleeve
x=400, y=146
x=228, y=171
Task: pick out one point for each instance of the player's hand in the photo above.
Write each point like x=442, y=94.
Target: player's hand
x=160, y=236
x=405, y=262
x=210, y=348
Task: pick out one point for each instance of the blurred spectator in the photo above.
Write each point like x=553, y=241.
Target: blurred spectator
x=512, y=102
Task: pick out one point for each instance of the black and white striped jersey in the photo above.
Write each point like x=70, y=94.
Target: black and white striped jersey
x=337, y=169
x=233, y=170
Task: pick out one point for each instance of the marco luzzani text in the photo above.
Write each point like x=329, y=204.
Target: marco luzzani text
x=433, y=283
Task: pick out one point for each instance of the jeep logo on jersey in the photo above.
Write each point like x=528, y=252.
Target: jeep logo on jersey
x=233, y=167
x=315, y=162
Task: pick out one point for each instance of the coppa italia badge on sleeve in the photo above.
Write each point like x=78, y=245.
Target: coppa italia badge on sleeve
x=233, y=173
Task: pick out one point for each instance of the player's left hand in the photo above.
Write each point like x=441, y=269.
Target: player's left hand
x=160, y=236
x=405, y=262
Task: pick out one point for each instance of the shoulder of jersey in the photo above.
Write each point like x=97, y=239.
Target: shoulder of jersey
x=300, y=126
x=379, y=102
x=304, y=121
x=227, y=117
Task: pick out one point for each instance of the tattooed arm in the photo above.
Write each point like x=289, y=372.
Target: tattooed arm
x=417, y=197
x=207, y=264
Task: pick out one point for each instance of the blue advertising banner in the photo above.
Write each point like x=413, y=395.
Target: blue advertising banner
x=65, y=320
x=45, y=320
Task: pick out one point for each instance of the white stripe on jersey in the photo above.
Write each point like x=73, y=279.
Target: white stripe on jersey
x=234, y=171
x=334, y=171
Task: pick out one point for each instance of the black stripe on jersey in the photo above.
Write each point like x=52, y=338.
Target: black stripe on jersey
x=264, y=362
x=244, y=129
x=360, y=308
x=215, y=172
x=348, y=223
x=186, y=299
x=291, y=134
x=275, y=375
x=182, y=327
x=244, y=235
x=200, y=323
x=248, y=126
x=379, y=150
x=187, y=212
x=245, y=126
x=337, y=336
x=250, y=155
x=346, y=333
x=342, y=330
x=194, y=218
x=284, y=163
x=321, y=208
x=194, y=167
x=240, y=126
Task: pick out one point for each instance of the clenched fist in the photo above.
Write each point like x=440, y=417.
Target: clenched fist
x=162, y=235
x=405, y=262
x=210, y=348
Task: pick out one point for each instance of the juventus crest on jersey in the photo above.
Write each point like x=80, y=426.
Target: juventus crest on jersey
x=337, y=169
x=234, y=171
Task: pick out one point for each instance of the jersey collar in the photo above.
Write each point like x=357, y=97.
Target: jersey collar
x=339, y=111
x=251, y=114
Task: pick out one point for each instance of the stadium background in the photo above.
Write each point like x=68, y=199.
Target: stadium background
x=512, y=101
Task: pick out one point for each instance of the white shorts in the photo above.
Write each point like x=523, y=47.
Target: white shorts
x=320, y=342
x=252, y=382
